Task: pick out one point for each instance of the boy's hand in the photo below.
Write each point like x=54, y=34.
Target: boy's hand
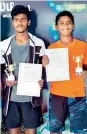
x=10, y=83
x=45, y=60
x=83, y=74
x=41, y=82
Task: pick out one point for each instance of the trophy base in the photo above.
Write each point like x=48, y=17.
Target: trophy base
x=78, y=70
x=11, y=78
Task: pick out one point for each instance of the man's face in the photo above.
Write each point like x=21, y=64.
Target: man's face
x=20, y=23
x=65, y=26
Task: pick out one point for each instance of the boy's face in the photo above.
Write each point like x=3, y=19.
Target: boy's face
x=65, y=26
x=20, y=23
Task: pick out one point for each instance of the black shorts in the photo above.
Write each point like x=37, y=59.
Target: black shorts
x=23, y=112
x=62, y=107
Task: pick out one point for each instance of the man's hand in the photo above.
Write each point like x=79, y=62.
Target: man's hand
x=83, y=74
x=11, y=83
x=41, y=82
x=45, y=60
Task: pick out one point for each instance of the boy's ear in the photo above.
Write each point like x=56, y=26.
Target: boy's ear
x=73, y=27
x=12, y=24
x=56, y=27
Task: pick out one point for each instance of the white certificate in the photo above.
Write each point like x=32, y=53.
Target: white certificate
x=29, y=75
x=58, y=67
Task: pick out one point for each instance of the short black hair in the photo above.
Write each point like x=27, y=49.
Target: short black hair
x=64, y=13
x=18, y=9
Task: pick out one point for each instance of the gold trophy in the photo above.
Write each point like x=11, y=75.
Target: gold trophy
x=9, y=72
x=78, y=61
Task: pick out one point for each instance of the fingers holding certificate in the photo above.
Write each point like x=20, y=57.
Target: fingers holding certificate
x=29, y=79
x=57, y=64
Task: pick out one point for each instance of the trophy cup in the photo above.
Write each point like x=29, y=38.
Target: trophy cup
x=10, y=67
x=9, y=72
x=78, y=61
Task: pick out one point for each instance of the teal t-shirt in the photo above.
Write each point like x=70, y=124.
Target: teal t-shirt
x=20, y=54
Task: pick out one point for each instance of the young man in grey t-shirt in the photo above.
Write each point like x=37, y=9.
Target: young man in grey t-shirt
x=19, y=48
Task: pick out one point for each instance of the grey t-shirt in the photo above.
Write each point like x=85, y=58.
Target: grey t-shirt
x=20, y=54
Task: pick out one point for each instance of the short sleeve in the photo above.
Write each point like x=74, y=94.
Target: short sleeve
x=85, y=55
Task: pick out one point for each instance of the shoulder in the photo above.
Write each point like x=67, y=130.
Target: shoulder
x=53, y=45
x=5, y=43
x=37, y=41
x=8, y=39
x=80, y=42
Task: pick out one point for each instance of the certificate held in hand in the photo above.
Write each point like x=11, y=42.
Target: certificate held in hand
x=29, y=75
x=58, y=67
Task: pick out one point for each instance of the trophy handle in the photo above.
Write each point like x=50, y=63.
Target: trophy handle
x=6, y=67
x=6, y=72
x=82, y=57
x=74, y=58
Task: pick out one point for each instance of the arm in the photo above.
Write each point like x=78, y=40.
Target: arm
x=84, y=73
x=85, y=62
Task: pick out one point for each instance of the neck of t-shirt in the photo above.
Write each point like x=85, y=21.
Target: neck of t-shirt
x=22, y=39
